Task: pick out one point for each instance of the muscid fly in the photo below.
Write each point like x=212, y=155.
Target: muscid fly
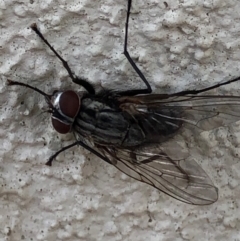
x=141, y=133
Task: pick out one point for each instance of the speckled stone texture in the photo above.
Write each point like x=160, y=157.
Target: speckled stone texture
x=177, y=45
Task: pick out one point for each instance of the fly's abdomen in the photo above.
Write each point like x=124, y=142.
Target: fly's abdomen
x=107, y=125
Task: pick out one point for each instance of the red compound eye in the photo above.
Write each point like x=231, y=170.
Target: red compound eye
x=67, y=107
x=61, y=127
x=69, y=103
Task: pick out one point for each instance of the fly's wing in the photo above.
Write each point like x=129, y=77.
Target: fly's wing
x=183, y=179
x=161, y=165
x=196, y=112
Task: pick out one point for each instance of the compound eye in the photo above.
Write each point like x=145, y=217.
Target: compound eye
x=69, y=103
x=61, y=127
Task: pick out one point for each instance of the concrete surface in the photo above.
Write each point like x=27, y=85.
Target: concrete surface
x=178, y=45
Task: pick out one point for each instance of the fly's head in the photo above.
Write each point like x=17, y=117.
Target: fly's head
x=63, y=106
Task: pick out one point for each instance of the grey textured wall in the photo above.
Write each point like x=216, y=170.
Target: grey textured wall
x=187, y=44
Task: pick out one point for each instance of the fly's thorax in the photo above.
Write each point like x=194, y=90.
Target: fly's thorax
x=65, y=107
x=107, y=124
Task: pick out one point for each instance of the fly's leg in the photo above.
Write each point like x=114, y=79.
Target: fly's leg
x=80, y=143
x=195, y=92
x=84, y=83
x=50, y=160
x=147, y=90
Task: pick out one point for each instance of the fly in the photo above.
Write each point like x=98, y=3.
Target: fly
x=140, y=133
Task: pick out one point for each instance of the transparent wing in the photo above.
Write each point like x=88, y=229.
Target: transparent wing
x=171, y=119
x=183, y=179
x=202, y=112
